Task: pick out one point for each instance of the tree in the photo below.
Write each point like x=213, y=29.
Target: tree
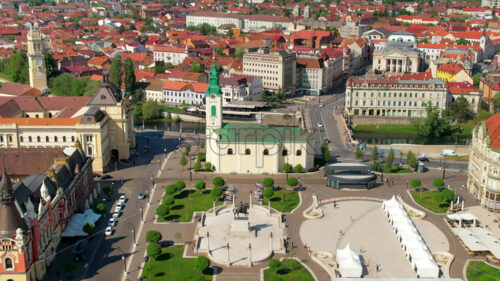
x=287, y=168
x=153, y=250
x=201, y=264
x=359, y=153
x=153, y=236
x=230, y=32
x=298, y=168
x=286, y=13
x=108, y=190
x=116, y=71
x=438, y=182
x=389, y=160
x=207, y=29
x=462, y=41
x=187, y=149
x=239, y=52
x=445, y=196
x=17, y=67
x=218, y=181
x=197, y=166
x=411, y=159
x=199, y=184
x=201, y=157
x=434, y=13
x=50, y=65
x=268, y=182
x=477, y=79
x=183, y=160
x=268, y=193
x=374, y=154
x=170, y=189
x=150, y=110
x=129, y=76
x=179, y=185
x=208, y=166
x=202, y=144
x=274, y=264
x=100, y=208
x=88, y=228
x=292, y=181
x=496, y=102
x=216, y=192
x=461, y=110
x=196, y=67
x=415, y=183
x=168, y=199
x=436, y=124
x=325, y=151
x=162, y=210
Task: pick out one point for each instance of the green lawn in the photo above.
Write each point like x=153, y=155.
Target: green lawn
x=387, y=129
x=429, y=201
x=290, y=270
x=397, y=170
x=170, y=108
x=189, y=201
x=464, y=158
x=291, y=201
x=480, y=271
x=172, y=267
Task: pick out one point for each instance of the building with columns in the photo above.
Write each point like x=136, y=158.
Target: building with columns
x=399, y=56
x=484, y=163
x=251, y=147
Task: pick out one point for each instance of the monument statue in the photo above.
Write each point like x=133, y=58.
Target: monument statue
x=241, y=209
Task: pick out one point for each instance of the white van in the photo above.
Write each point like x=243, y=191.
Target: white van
x=448, y=152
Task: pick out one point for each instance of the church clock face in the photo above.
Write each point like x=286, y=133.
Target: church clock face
x=38, y=62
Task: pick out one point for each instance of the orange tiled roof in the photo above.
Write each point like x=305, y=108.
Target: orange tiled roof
x=41, y=121
x=493, y=130
x=451, y=68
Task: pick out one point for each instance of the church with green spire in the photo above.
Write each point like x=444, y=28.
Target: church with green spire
x=251, y=147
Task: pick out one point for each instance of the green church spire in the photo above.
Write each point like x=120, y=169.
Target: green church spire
x=213, y=81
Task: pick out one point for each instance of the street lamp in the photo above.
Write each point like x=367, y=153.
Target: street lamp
x=444, y=167
x=407, y=182
x=190, y=170
x=124, y=264
x=133, y=232
x=141, y=210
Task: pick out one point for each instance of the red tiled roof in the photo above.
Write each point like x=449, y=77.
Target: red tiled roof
x=41, y=121
x=16, y=89
x=451, y=68
x=493, y=130
x=461, y=88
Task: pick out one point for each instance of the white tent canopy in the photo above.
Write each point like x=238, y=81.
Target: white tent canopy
x=411, y=240
x=349, y=262
x=74, y=228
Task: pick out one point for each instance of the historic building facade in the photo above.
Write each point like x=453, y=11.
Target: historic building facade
x=394, y=97
x=250, y=147
x=484, y=163
x=399, y=56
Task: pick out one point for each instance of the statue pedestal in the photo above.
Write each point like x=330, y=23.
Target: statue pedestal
x=240, y=225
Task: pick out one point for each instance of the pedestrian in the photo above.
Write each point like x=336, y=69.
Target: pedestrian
x=305, y=246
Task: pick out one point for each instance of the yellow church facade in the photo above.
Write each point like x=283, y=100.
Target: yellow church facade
x=251, y=147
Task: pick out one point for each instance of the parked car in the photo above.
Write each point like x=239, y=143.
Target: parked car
x=116, y=214
x=320, y=124
x=448, y=152
x=108, y=231
x=122, y=199
x=118, y=207
x=423, y=159
x=112, y=222
x=140, y=196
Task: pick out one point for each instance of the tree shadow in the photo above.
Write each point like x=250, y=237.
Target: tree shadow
x=183, y=194
x=160, y=274
x=172, y=217
x=177, y=207
x=164, y=257
x=284, y=271
x=275, y=199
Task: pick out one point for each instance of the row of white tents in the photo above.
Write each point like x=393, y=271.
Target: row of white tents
x=349, y=262
x=411, y=241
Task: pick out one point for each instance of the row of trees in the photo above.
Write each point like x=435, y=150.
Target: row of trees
x=117, y=70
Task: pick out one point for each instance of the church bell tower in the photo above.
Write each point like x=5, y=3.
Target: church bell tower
x=213, y=115
x=36, y=59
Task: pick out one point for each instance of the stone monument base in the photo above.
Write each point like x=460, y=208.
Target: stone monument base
x=240, y=225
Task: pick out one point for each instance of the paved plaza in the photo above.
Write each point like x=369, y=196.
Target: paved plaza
x=222, y=232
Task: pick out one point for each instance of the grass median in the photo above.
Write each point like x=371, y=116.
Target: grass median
x=429, y=200
x=480, y=271
x=284, y=200
x=289, y=270
x=188, y=201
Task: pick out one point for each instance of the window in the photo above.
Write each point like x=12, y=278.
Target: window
x=55, y=138
x=284, y=152
x=247, y=151
x=29, y=139
x=72, y=138
x=266, y=151
x=64, y=138
x=38, y=139
x=8, y=263
x=230, y=151
x=21, y=138
x=213, y=110
x=1, y=138
x=46, y=138
x=89, y=150
x=299, y=152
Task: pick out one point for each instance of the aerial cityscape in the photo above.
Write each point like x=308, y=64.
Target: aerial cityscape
x=248, y=140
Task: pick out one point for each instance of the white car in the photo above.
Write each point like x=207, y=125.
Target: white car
x=119, y=206
x=108, y=231
x=320, y=124
x=116, y=214
x=122, y=199
x=321, y=105
x=112, y=222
